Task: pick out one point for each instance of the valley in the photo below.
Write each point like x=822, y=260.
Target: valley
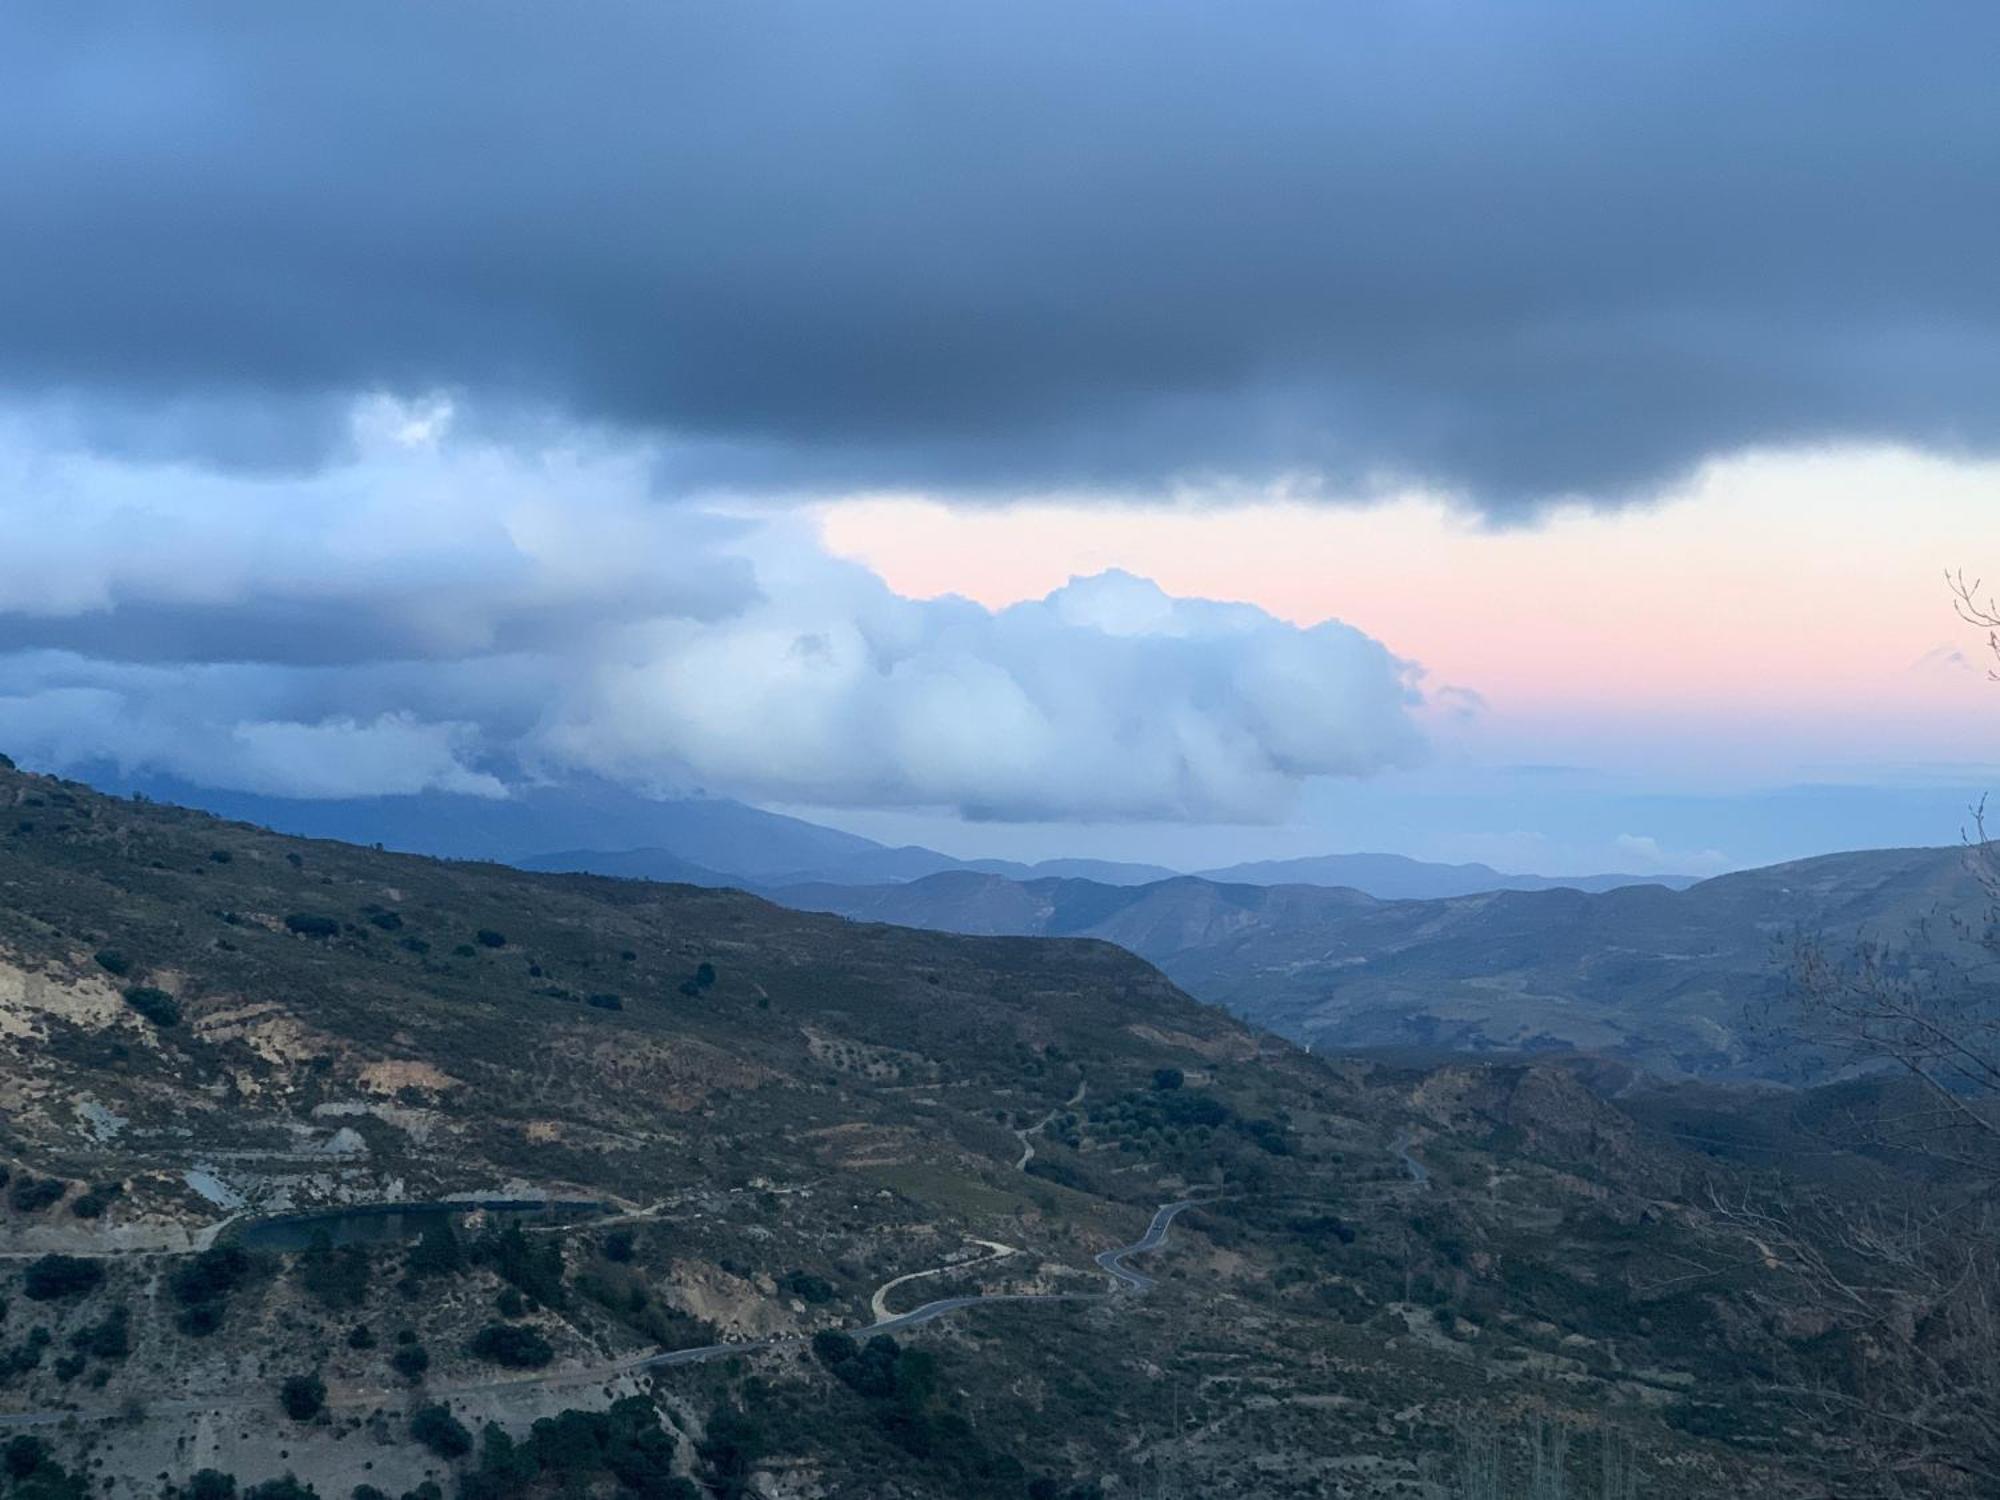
x=747, y=1174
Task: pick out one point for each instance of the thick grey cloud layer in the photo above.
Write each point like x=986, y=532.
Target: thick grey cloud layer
x=432, y=612
x=1517, y=250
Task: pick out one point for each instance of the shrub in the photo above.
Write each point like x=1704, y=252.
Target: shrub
x=361, y=1336
x=704, y=973
x=302, y=1396
x=220, y=856
x=288, y=1488
x=30, y=1195
x=411, y=1361
x=155, y=1005
x=436, y=1252
x=512, y=1344
x=488, y=938
x=203, y=1285
x=1168, y=1078
x=537, y=1269
x=465, y=950
x=438, y=1430
x=605, y=1002
x=334, y=1278
x=109, y=1338
x=806, y=1286
x=511, y=1303
x=312, y=925
x=618, y=1245
x=872, y=1371
x=91, y=1205
x=23, y=1455
x=56, y=1278
x=211, y=1484
x=834, y=1347
x=388, y=921
x=111, y=961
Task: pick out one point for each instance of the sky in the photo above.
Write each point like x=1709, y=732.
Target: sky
x=1534, y=432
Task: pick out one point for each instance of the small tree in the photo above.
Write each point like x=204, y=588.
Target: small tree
x=302, y=1396
x=438, y=1430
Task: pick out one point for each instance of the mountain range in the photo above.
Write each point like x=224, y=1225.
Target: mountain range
x=1675, y=981
x=597, y=828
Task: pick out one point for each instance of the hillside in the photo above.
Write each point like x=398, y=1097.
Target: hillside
x=749, y=1126
x=1674, y=981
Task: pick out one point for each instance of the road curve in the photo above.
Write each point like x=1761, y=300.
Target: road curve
x=1027, y=1145
x=1125, y=1282
x=1419, y=1173
x=1123, y=1277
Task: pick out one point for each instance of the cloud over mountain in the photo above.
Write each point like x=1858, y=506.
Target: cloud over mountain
x=437, y=611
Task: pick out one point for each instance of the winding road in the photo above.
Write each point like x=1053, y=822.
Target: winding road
x=1419, y=1173
x=1125, y=1282
x=1028, y=1146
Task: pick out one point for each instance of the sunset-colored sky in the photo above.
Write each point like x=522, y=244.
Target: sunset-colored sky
x=1762, y=665
x=1780, y=616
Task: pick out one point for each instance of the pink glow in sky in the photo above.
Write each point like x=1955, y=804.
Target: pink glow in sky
x=1782, y=614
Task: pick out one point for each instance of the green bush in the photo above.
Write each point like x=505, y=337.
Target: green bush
x=111, y=961
x=334, y=1278
x=155, y=1005
x=488, y=938
x=807, y=1287
x=211, y=1484
x=438, y=1430
x=203, y=1285
x=23, y=1455
x=108, y=1338
x=30, y=1195
x=834, y=1347
x=91, y=1205
x=514, y=1345
x=312, y=924
x=57, y=1278
x=411, y=1361
x=302, y=1396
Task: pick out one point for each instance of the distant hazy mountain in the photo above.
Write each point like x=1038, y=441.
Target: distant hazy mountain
x=606, y=830
x=1671, y=980
x=1396, y=877
x=728, y=840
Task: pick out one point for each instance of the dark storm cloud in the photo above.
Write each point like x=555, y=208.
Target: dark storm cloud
x=1520, y=250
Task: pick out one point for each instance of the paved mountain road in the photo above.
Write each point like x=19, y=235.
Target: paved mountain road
x=1125, y=1282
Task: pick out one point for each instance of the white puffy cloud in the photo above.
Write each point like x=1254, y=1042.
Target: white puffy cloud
x=435, y=612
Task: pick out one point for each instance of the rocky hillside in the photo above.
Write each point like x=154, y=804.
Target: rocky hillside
x=670, y=1163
